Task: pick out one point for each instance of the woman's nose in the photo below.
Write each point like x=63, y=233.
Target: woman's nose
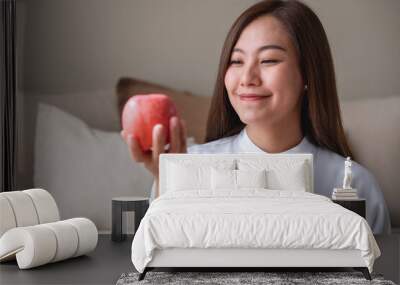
x=250, y=76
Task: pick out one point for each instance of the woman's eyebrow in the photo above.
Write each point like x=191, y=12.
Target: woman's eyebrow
x=266, y=47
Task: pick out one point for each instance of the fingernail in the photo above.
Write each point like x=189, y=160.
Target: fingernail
x=174, y=121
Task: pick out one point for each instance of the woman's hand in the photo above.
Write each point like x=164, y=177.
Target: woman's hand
x=150, y=158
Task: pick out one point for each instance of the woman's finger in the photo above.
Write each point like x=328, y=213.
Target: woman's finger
x=158, y=143
x=183, y=135
x=175, y=137
x=123, y=135
x=135, y=149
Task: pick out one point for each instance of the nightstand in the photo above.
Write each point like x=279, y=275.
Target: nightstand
x=122, y=204
x=355, y=205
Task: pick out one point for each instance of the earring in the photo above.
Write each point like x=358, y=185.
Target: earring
x=305, y=87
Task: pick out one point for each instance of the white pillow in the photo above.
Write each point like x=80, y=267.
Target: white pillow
x=183, y=178
x=223, y=179
x=288, y=179
x=251, y=178
x=226, y=179
x=188, y=175
x=84, y=168
x=281, y=174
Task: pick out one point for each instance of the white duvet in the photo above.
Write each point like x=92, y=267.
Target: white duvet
x=252, y=218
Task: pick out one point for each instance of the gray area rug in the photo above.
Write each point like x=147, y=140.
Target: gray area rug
x=226, y=278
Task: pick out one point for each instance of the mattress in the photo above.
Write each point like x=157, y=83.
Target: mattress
x=250, y=219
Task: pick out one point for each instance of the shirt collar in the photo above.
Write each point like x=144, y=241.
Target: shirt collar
x=246, y=145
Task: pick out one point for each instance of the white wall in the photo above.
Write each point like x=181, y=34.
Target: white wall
x=75, y=45
x=365, y=41
x=86, y=45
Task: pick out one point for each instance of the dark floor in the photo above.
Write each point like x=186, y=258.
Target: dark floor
x=102, y=266
x=111, y=259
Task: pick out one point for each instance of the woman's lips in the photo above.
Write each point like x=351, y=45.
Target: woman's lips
x=252, y=97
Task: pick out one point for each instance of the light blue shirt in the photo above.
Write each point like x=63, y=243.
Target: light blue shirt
x=328, y=173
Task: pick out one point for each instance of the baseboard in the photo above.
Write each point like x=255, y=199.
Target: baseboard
x=396, y=231
x=128, y=224
x=107, y=232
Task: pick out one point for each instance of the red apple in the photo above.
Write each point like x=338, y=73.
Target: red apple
x=142, y=112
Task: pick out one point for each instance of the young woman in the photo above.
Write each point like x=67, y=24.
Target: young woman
x=276, y=93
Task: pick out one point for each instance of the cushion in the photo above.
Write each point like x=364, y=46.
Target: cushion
x=227, y=179
x=288, y=179
x=193, y=109
x=7, y=215
x=87, y=235
x=82, y=166
x=26, y=208
x=40, y=244
x=190, y=175
x=45, y=205
x=281, y=173
x=67, y=237
x=23, y=208
x=223, y=179
x=251, y=178
x=186, y=178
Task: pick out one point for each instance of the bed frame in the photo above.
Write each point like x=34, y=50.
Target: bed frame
x=234, y=259
x=250, y=259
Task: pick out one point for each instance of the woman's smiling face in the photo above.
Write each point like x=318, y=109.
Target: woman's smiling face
x=264, y=63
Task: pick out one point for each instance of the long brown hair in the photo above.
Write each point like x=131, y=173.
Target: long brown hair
x=320, y=112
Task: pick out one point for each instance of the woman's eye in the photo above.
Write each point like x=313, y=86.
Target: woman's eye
x=235, y=62
x=270, y=61
x=264, y=61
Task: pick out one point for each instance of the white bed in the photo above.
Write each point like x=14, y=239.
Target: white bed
x=201, y=220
